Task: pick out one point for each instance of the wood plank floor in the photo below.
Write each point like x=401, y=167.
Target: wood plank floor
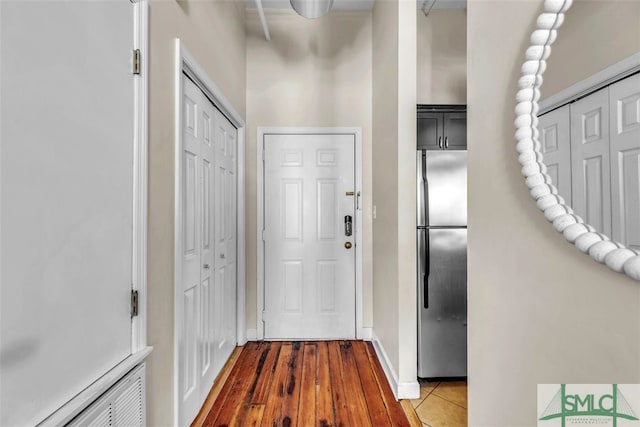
x=323, y=383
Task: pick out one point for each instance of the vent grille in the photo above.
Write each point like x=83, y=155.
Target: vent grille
x=121, y=406
x=128, y=406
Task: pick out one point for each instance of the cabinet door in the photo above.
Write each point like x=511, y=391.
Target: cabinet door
x=430, y=131
x=555, y=136
x=455, y=131
x=590, y=177
x=624, y=102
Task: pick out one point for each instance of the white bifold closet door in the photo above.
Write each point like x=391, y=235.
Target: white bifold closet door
x=590, y=168
x=555, y=138
x=67, y=112
x=624, y=102
x=207, y=305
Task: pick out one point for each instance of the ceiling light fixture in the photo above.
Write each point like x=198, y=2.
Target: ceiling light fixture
x=311, y=9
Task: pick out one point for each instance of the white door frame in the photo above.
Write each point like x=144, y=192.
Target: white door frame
x=187, y=63
x=357, y=133
x=140, y=190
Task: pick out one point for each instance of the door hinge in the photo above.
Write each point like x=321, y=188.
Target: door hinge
x=134, y=303
x=263, y=155
x=263, y=235
x=136, y=61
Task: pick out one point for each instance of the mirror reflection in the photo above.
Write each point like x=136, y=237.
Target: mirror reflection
x=590, y=116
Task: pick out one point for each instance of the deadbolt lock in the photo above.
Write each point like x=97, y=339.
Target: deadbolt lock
x=347, y=245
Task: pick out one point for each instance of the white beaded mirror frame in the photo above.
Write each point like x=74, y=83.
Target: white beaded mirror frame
x=585, y=237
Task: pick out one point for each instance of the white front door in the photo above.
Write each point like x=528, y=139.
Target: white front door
x=309, y=260
x=208, y=248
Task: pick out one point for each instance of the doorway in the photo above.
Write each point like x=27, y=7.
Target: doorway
x=309, y=261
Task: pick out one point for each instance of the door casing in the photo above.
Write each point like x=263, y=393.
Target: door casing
x=361, y=332
x=186, y=63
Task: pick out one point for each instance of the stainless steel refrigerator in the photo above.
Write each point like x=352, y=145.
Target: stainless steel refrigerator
x=442, y=263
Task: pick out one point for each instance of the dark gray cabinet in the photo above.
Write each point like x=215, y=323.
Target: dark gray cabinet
x=442, y=127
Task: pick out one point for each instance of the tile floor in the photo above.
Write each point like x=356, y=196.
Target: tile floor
x=442, y=404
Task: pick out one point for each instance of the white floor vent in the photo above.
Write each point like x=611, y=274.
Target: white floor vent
x=122, y=406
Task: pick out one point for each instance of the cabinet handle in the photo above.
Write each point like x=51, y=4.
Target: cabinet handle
x=446, y=142
x=439, y=142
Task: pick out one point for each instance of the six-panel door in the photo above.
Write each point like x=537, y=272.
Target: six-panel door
x=208, y=244
x=309, y=272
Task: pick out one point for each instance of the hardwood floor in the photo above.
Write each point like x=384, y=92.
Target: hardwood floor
x=324, y=383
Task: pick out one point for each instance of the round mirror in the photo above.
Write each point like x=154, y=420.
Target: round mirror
x=578, y=136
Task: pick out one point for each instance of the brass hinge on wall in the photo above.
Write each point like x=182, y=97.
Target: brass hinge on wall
x=136, y=61
x=134, y=303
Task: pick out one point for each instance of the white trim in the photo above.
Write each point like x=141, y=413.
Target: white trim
x=87, y=396
x=357, y=133
x=140, y=191
x=252, y=335
x=187, y=63
x=603, y=78
x=387, y=367
x=241, y=257
x=401, y=390
x=365, y=334
x=408, y=390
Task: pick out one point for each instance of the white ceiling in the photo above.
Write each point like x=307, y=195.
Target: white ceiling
x=361, y=4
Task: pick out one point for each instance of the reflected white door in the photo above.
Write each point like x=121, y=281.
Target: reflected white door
x=309, y=271
x=590, y=176
x=208, y=240
x=555, y=137
x=624, y=101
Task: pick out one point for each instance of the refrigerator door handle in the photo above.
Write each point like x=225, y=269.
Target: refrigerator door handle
x=425, y=280
x=425, y=189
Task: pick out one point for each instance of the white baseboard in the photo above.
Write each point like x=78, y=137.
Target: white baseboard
x=409, y=390
x=392, y=378
x=252, y=335
x=401, y=390
x=365, y=334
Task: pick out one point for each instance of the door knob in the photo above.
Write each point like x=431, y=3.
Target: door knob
x=347, y=245
x=206, y=266
x=222, y=256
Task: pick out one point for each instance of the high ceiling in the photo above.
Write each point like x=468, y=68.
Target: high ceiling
x=361, y=4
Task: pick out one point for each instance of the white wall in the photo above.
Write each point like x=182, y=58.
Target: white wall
x=442, y=56
x=539, y=310
x=214, y=33
x=394, y=188
x=311, y=73
x=594, y=36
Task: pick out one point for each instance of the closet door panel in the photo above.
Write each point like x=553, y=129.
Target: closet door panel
x=590, y=163
x=555, y=138
x=624, y=101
